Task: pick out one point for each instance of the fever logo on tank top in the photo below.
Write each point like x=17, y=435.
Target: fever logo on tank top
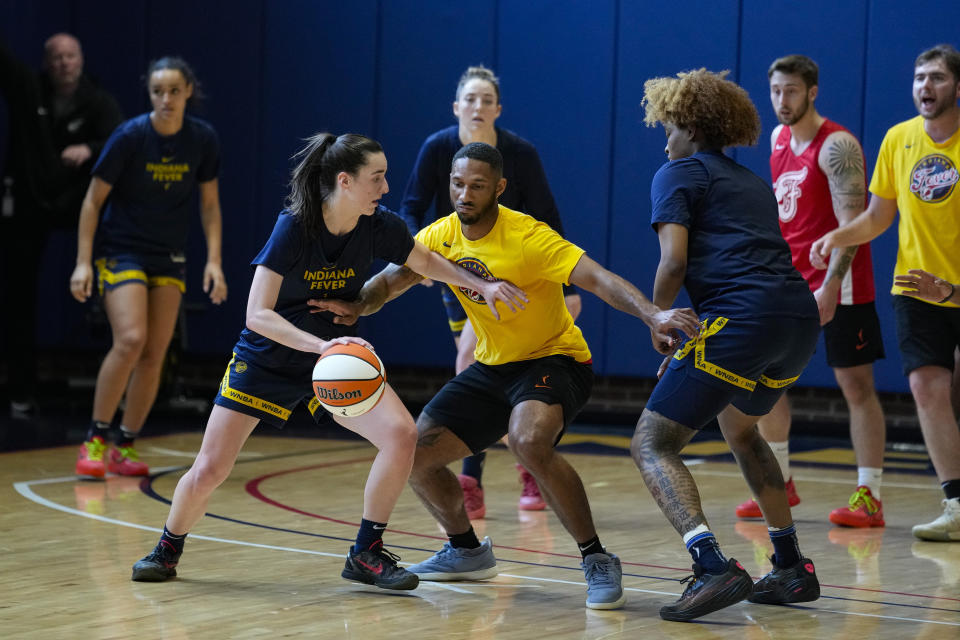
x=475, y=266
x=788, y=192
x=933, y=178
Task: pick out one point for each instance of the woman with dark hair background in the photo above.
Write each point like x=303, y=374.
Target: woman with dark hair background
x=145, y=181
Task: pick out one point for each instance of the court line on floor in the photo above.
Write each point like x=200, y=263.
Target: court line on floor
x=24, y=489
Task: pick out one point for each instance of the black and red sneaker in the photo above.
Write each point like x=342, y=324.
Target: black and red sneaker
x=378, y=567
x=158, y=566
x=786, y=585
x=708, y=592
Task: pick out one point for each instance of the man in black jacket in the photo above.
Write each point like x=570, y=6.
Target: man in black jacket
x=59, y=122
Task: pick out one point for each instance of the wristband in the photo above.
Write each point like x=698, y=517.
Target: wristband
x=949, y=295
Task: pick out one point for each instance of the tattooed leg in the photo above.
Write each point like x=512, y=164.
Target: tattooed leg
x=759, y=467
x=435, y=485
x=656, y=449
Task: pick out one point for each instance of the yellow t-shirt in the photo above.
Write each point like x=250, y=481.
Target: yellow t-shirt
x=922, y=177
x=532, y=256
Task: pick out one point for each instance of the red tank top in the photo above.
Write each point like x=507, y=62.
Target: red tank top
x=806, y=213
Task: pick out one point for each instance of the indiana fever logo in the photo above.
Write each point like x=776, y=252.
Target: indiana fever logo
x=933, y=178
x=788, y=192
x=475, y=266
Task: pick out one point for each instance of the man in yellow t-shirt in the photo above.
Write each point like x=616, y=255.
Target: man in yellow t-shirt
x=532, y=373
x=917, y=174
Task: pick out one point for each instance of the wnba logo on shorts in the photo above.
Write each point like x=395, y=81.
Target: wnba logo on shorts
x=933, y=178
x=475, y=266
x=240, y=366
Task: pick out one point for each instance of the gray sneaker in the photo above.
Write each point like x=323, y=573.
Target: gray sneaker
x=451, y=564
x=604, y=581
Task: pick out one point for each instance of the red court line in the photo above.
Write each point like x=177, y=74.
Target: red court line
x=253, y=488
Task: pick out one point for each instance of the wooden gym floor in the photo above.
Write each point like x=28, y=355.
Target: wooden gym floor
x=266, y=560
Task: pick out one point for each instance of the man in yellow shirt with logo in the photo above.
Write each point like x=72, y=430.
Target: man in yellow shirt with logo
x=532, y=372
x=917, y=174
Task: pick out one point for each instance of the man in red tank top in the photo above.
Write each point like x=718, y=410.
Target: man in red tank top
x=819, y=178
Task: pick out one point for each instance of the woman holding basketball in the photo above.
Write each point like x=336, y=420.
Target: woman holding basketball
x=477, y=107
x=322, y=245
x=151, y=168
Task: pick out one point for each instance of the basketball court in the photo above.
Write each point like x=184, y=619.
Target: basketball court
x=266, y=560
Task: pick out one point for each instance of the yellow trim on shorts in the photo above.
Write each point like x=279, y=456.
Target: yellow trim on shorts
x=456, y=326
x=164, y=281
x=105, y=277
x=777, y=384
x=246, y=399
x=313, y=405
x=698, y=346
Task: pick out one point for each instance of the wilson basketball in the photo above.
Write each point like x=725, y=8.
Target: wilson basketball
x=348, y=379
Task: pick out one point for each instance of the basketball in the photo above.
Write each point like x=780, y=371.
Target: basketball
x=348, y=379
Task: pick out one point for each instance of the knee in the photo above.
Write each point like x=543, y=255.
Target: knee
x=130, y=342
x=207, y=474
x=856, y=390
x=403, y=436
x=532, y=447
x=929, y=391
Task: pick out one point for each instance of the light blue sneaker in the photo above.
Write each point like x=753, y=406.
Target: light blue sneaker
x=604, y=581
x=451, y=564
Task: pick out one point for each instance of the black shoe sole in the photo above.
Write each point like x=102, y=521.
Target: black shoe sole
x=152, y=573
x=769, y=597
x=410, y=581
x=730, y=595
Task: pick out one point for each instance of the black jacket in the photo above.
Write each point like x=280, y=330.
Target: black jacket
x=42, y=184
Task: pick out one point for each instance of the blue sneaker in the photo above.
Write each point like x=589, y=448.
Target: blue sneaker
x=604, y=581
x=451, y=564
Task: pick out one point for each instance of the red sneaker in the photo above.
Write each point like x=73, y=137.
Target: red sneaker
x=530, y=498
x=750, y=508
x=90, y=458
x=125, y=461
x=864, y=511
x=472, y=497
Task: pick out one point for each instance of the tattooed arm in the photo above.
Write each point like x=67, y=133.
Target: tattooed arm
x=841, y=160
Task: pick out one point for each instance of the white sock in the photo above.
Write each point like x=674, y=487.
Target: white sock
x=695, y=532
x=870, y=477
x=781, y=451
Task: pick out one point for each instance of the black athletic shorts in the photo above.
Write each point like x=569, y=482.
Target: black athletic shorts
x=476, y=404
x=927, y=334
x=853, y=337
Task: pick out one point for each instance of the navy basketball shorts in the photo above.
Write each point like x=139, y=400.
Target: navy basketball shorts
x=475, y=406
x=151, y=270
x=853, y=337
x=927, y=334
x=457, y=317
x=748, y=363
x=262, y=393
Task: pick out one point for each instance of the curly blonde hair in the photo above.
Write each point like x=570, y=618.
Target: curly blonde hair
x=719, y=108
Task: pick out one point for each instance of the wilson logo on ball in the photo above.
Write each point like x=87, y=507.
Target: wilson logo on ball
x=348, y=379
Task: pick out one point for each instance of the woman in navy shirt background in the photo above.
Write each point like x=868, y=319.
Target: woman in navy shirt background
x=147, y=177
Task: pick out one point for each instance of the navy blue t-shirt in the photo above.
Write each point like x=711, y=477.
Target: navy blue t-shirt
x=309, y=274
x=527, y=188
x=154, y=181
x=738, y=264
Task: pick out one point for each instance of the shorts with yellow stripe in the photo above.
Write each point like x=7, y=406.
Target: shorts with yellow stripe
x=748, y=363
x=149, y=270
x=262, y=393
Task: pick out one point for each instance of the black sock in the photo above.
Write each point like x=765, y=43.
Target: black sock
x=466, y=540
x=705, y=551
x=591, y=546
x=473, y=466
x=172, y=542
x=98, y=428
x=370, y=533
x=951, y=488
x=125, y=438
x=786, y=548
